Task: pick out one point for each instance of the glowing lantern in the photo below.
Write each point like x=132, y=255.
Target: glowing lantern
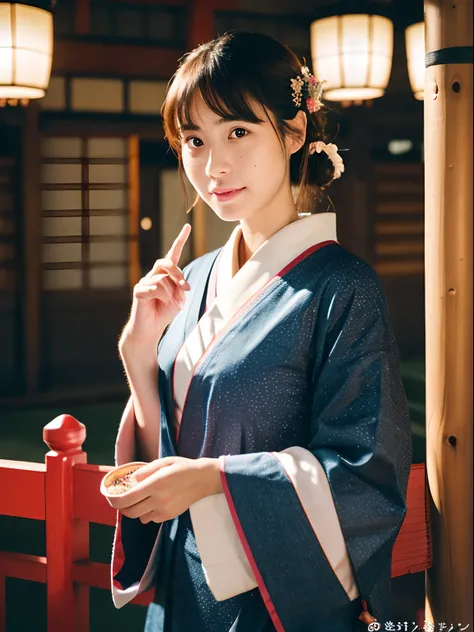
x=353, y=53
x=26, y=51
x=415, y=44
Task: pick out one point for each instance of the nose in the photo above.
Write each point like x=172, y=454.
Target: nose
x=217, y=163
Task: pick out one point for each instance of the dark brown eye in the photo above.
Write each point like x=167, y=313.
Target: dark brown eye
x=195, y=142
x=240, y=132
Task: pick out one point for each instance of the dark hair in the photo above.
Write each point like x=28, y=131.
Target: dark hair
x=230, y=71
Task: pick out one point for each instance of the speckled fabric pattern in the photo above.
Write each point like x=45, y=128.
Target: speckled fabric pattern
x=189, y=597
x=312, y=362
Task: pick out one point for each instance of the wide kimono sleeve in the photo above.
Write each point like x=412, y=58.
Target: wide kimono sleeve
x=136, y=546
x=316, y=524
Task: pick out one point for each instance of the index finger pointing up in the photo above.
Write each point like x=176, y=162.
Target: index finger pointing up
x=174, y=253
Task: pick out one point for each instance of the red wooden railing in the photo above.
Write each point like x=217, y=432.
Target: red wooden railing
x=64, y=491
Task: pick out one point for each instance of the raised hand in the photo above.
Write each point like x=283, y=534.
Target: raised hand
x=159, y=295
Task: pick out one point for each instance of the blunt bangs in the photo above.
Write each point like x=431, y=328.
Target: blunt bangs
x=209, y=77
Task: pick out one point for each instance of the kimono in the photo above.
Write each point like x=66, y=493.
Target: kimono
x=287, y=371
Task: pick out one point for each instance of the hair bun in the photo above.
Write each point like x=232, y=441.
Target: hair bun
x=320, y=169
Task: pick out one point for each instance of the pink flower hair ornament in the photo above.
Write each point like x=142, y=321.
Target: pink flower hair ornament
x=313, y=89
x=331, y=151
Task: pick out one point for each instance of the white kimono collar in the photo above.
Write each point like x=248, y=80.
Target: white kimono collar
x=236, y=292
x=296, y=236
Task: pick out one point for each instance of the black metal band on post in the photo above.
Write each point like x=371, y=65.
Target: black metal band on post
x=452, y=55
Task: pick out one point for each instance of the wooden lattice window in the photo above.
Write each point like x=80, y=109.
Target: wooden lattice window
x=398, y=225
x=88, y=202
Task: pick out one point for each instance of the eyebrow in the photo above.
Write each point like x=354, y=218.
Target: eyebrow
x=190, y=127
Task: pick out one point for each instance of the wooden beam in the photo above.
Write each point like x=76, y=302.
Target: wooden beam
x=75, y=57
x=449, y=261
x=168, y=3
x=32, y=230
x=99, y=124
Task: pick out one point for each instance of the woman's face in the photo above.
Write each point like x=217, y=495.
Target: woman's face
x=239, y=169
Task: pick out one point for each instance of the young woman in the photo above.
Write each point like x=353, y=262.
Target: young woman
x=278, y=435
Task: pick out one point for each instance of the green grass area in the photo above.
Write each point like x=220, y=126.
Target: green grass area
x=413, y=374
x=21, y=430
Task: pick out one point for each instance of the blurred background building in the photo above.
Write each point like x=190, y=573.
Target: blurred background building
x=90, y=195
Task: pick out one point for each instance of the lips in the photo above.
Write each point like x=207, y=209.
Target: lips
x=220, y=191
x=226, y=195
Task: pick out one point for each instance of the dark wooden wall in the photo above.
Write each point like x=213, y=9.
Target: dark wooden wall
x=79, y=335
x=75, y=333
x=11, y=271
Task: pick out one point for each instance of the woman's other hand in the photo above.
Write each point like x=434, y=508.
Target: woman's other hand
x=168, y=487
x=158, y=297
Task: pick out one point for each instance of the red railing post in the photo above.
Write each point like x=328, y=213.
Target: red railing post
x=67, y=540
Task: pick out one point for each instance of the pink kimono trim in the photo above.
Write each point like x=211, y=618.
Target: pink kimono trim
x=245, y=545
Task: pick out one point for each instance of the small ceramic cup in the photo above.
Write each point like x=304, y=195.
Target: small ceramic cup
x=119, y=482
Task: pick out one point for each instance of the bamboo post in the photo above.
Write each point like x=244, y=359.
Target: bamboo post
x=448, y=258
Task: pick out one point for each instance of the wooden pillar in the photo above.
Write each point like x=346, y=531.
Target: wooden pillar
x=199, y=224
x=201, y=22
x=134, y=209
x=353, y=195
x=201, y=30
x=82, y=17
x=448, y=258
x=31, y=206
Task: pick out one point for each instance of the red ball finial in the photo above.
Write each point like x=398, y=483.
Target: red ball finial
x=64, y=434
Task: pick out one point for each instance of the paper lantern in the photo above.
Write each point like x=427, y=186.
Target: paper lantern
x=353, y=53
x=415, y=45
x=26, y=51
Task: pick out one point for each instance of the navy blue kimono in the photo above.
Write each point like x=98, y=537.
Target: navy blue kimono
x=287, y=370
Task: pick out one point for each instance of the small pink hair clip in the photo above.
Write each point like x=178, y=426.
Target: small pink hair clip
x=331, y=151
